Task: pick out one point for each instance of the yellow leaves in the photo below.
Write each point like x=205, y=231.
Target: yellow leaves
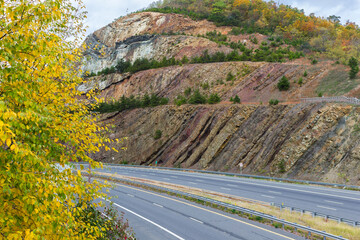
x=13, y=148
x=239, y=2
x=29, y=235
x=42, y=122
x=8, y=142
x=9, y=115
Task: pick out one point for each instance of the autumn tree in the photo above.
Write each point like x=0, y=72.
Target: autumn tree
x=42, y=123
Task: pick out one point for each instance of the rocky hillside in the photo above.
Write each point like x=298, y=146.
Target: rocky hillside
x=148, y=35
x=307, y=141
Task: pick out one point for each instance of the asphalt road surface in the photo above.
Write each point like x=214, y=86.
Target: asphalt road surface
x=156, y=216
x=330, y=201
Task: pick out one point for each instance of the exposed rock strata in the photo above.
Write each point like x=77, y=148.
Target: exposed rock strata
x=315, y=141
x=253, y=82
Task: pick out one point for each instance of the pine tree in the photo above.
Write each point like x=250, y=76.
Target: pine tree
x=283, y=84
x=354, y=67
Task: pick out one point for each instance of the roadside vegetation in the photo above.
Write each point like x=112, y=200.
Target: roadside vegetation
x=44, y=125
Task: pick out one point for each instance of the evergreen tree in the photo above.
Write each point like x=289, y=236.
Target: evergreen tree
x=283, y=84
x=236, y=99
x=354, y=67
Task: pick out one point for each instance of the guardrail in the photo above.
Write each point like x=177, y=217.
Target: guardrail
x=271, y=218
x=340, y=99
x=317, y=214
x=237, y=175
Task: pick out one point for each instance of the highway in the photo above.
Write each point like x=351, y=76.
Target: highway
x=156, y=216
x=330, y=201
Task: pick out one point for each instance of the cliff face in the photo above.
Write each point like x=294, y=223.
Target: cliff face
x=306, y=141
x=133, y=37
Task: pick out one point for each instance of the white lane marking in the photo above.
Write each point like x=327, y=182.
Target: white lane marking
x=299, y=190
x=326, y=207
x=152, y=174
x=166, y=179
x=226, y=188
x=231, y=185
x=157, y=205
x=196, y=220
x=143, y=175
x=199, y=180
x=275, y=192
x=334, y=202
x=174, y=176
x=193, y=183
x=271, y=186
x=267, y=196
x=144, y=218
x=130, y=195
x=206, y=210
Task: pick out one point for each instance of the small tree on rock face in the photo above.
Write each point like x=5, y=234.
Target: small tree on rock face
x=197, y=98
x=283, y=84
x=214, y=98
x=354, y=67
x=236, y=99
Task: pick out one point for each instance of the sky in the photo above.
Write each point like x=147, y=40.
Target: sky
x=101, y=13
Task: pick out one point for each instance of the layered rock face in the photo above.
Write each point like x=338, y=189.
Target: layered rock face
x=305, y=141
x=296, y=140
x=133, y=37
x=253, y=82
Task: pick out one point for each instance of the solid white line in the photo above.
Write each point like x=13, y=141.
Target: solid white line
x=334, y=202
x=166, y=179
x=199, y=180
x=206, y=210
x=226, y=188
x=299, y=190
x=144, y=218
x=275, y=192
x=196, y=220
x=193, y=183
x=143, y=175
x=326, y=207
x=267, y=196
x=272, y=186
x=157, y=205
x=130, y=195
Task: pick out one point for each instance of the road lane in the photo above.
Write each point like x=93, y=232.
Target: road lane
x=180, y=219
x=335, y=202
